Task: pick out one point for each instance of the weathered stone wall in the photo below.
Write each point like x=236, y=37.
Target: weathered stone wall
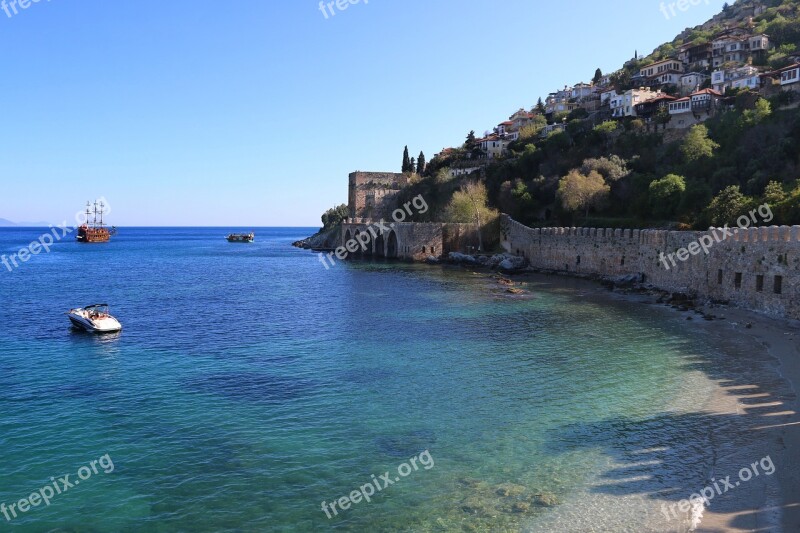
x=757, y=268
x=409, y=240
x=371, y=194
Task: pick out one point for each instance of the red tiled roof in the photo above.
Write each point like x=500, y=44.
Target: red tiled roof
x=707, y=91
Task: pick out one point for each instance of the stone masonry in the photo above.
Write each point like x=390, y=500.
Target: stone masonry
x=757, y=268
x=371, y=194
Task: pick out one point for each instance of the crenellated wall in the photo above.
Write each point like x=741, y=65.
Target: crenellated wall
x=756, y=268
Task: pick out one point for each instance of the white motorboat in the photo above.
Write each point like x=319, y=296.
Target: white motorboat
x=94, y=319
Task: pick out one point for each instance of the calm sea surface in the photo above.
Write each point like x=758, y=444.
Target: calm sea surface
x=250, y=384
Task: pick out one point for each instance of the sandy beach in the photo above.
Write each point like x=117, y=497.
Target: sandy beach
x=771, y=414
x=757, y=369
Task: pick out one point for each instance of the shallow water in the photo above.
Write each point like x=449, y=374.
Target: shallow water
x=250, y=384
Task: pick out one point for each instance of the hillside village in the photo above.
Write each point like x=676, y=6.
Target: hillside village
x=696, y=81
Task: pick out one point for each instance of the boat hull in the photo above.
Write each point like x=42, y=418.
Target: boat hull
x=106, y=325
x=87, y=234
x=245, y=238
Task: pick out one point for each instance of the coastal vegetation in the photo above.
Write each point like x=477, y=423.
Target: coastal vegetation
x=625, y=172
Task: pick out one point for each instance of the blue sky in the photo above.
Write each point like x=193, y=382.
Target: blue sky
x=253, y=112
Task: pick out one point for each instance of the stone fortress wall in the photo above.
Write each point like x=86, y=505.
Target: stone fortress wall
x=371, y=194
x=756, y=268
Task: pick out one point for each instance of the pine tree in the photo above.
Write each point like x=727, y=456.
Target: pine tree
x=421, y=163
x=470, y=139
x=406, y=161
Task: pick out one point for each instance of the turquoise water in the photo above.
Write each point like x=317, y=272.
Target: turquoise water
x=250, y=384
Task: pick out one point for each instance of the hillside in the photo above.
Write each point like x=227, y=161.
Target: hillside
x=700, y=131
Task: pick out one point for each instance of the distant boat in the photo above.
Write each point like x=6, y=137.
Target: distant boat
x=96, y=230
x=241, y=237
x=94, y=319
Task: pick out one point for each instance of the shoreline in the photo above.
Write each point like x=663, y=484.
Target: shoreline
x=768, y=417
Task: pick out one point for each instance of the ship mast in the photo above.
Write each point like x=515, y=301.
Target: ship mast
x=88, y=211
x=102, y=205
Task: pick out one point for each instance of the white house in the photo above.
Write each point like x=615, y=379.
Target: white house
x=692, y=82
x=736, y=78
x=691, y=110
x=624, y=105
x=493, y=146
x=661, y=67
x=790, y=77
x=582, y=90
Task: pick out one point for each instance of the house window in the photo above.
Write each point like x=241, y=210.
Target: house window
x=778, y=284
x=719, y=277
x=737, y=280
x=760, y=283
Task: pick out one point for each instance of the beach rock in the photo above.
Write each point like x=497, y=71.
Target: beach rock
x=514, y=290
x=504, y=281
x=512, y=264
x=627, y=280
x=462, y=259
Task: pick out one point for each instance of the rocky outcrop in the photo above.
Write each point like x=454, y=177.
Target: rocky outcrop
x=322, y=240
x=503, y=262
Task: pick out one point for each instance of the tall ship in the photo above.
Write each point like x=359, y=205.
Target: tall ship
x=94, y=229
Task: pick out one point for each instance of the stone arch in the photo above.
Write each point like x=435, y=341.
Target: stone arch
x=380, y=246
x=391, y=245
x=359, y=253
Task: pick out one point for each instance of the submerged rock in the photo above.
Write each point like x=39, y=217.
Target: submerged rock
x=509, y=489
x=545, y=499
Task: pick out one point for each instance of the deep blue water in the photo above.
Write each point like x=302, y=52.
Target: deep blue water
x=250, y=384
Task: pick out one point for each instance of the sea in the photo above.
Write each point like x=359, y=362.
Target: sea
x=253, y=389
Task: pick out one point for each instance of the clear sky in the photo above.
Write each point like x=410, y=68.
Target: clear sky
x=253, y=112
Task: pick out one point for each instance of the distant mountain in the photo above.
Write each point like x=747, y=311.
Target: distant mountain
x=8, y=224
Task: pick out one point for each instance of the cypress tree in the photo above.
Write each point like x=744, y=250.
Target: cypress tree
x=421, y=163
x=406, y=161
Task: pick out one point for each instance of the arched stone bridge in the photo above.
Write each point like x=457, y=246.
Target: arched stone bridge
x=405, y=240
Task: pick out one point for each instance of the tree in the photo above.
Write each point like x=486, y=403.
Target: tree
x=598, y=75
x=421, y=163
x=774, y=193
x=334, y=216
x=611, y=168
x=697, y=145
x=761, y=110
x=540, y=106
x=412, y=166
x=470, y=205
x=406, y=161
x=472, y=147
x=582, y=192
x=532, y=130
x=662, y=116
x=666, y=193
x=726, y=206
